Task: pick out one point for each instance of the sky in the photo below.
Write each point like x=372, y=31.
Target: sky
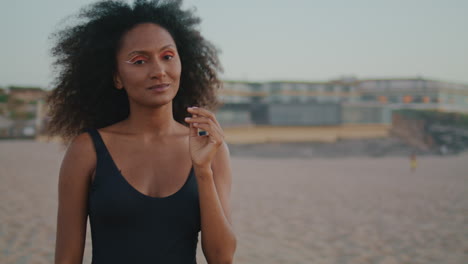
x=265, y=40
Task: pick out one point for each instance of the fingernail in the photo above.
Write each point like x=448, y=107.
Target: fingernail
x=188, y=118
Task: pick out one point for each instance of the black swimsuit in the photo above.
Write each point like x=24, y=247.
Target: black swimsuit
x=128, y=226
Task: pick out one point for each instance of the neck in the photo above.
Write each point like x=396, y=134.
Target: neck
x=150, y=122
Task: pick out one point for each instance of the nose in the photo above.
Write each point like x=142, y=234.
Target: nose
x=157, y=70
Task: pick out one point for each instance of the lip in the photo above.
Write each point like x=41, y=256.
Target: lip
x=159, y=87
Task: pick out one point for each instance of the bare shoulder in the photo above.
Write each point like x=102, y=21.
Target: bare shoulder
x=82, y=145
x=80, y=154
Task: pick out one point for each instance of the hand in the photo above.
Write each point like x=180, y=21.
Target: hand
x=203, y=148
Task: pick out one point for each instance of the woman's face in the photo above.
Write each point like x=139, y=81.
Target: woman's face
x=148, y=65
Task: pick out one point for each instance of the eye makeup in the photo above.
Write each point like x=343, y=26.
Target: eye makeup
x=142, y=57
x=168, y=53
x=136, y=58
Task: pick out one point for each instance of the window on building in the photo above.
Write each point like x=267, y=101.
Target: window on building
x=394, y=99
x=295, y=99
x=417, y=99
x=275, y=87
x=256, y=99
x=276, y=99
x=368, y=97
x=383, y=99
x=407, y=99
x=256, y=87
x=311, y=88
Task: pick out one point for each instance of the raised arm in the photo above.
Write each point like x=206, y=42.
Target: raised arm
x=210, y=157
x=76, y=171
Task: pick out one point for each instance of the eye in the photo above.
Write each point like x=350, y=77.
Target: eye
x=138, y=60
x=168, y=57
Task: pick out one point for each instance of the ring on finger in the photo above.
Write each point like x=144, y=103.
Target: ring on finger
x=202, y=132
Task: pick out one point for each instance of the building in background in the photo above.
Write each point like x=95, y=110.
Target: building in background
x=3, y=102
x=5, y=127
x=278, y=103
x=18, y=111
x=342, y=101
x=416, y=93
x=25, y=94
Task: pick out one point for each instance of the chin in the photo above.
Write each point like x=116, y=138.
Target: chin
x=154, y=101
x=160, y=102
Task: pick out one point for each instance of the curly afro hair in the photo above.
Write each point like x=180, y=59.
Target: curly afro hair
x=84, y=95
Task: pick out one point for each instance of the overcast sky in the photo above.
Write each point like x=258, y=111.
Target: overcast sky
x=278, y=40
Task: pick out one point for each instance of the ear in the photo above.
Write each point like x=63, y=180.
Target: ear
x=117, y=81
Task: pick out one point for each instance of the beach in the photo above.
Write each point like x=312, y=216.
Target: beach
x=299, y=209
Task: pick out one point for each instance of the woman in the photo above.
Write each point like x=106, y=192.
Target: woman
x=129, y=76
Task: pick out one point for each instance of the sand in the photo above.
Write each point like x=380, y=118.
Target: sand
x=285, y=210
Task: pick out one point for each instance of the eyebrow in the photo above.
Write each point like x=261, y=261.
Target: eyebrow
x=146, y=52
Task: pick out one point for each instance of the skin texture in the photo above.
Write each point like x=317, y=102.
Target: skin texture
x=153, y=151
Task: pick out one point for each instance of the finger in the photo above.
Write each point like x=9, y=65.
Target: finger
x=195, y=111
x=197, y=119
x=193, y=131
x=203, y=112
x=207, y=114
x=199, y=132
x=214, y=136
x=204, y=120
x=208, y=127
x=202, y=132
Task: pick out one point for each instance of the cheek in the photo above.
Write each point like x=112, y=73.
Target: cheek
x=178, y=70
x=131, y=75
